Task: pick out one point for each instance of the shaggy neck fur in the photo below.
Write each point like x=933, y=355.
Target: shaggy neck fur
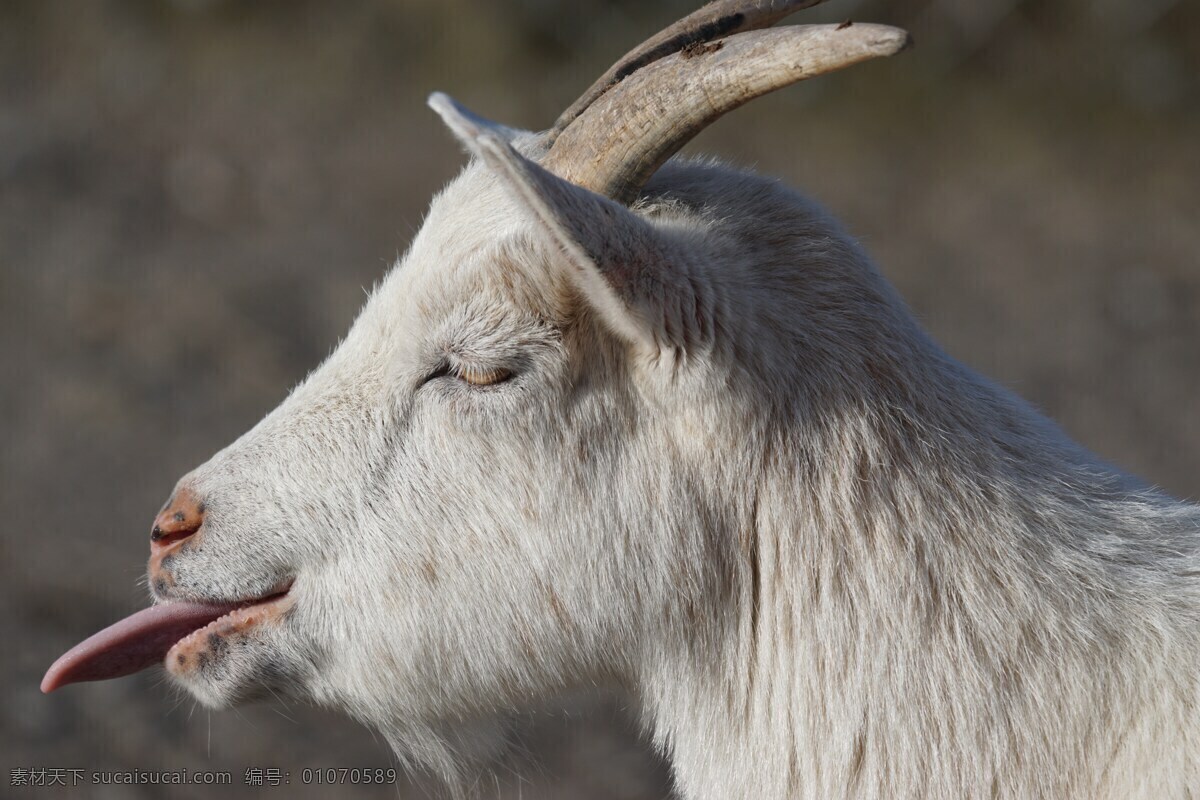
x=935, y=593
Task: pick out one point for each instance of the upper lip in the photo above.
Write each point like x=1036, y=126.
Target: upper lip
x=278, y=590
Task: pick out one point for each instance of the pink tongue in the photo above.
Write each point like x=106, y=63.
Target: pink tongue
x=131, y=645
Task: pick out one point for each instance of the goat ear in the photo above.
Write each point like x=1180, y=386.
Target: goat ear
x=621, y=265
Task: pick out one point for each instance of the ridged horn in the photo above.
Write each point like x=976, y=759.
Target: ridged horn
x=626, y=133
x=715, y=20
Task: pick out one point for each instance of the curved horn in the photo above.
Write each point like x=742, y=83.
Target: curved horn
x=627, y=133
x=716, y=19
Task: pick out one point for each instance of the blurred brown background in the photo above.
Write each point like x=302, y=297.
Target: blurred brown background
x=194, y=194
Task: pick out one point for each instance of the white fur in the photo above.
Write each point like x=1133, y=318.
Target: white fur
x=735, y=482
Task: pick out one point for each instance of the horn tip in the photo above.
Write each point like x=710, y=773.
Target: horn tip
x=868, y=38
x=889, y=40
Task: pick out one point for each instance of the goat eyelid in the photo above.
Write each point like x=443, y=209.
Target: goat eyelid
x=482, y=376
x=469, y=374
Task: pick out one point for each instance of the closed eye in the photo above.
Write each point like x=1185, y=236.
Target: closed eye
x=482, y=376
x=470, y=375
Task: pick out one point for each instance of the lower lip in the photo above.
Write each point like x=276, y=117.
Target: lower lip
x=237, y=622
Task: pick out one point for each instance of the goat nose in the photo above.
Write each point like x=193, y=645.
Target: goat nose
x=182, y=516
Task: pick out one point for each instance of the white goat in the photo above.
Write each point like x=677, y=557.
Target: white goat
x=667, y=431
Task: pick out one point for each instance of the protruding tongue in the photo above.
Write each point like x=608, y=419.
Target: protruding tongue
x=131, y=645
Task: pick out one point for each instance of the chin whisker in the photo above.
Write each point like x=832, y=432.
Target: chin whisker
x=281, y=702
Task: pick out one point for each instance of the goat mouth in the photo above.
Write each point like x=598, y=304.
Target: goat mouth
x=205, y=644
x=144, y=639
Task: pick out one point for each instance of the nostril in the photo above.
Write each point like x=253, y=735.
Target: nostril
x=161, y=536
x=182, y=517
